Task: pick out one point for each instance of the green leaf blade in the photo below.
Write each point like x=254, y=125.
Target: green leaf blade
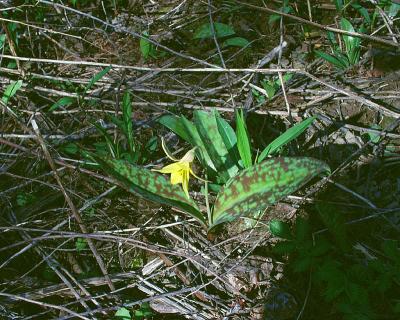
x=97, y=77
x=62, y=102
x=289, y=135
x=339, y=63
x=221, y=30
x=243, y=140
x=175, y=124
x=11, y=90
x=263, y=184
x=145, y=45
x=228, y=135
x=236, y=42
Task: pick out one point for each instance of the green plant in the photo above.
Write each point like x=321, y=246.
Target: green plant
x=80, y=244
x=245, y=188
x=24, y=199
x=11, y=90
x=123, y=145
x=222, y=30
x=148, y=49
x=122, y=314
x=286, y=8
x=81, y=92
x=350, y=54
x=352, y=288
x=143, y=312
x=272, y=84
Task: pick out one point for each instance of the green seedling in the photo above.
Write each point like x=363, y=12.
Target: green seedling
x=271, y=85
x=11, y=90
x=68, y=101
x=122, y=314
x=221, y=30
x=350, y=54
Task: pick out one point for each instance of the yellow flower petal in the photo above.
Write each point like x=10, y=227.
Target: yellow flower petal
x=176, y=177
x=171, y=168
x=185, y=182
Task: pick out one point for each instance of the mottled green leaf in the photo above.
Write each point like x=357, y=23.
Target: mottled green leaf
x=11, y=90
x=228, y=135
x=127, y=118
x=175, y=124
x=221, y=30
x=289, y=135
x=195, y=140
x=207, y=128
x=150, y=185
x=263, y=184
x=243, y=140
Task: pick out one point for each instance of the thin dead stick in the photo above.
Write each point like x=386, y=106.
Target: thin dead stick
x=354, y=96
x=146, y=69
x=43, y=304
x=11, y=45
x=320, y=26
x=40, y=28
x=132, y=33
x=75, y=212
x=286, y=98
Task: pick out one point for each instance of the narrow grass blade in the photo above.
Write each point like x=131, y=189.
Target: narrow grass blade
x=11, y=90
x=263, y=184
x=97, y=77
x=63, y=102
x=145, y=46
x=243, y=140
x=339, y=63
x=289, y=135
x=127, y=118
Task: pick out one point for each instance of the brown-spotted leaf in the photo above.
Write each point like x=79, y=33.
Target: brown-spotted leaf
x=150, y=185
x=263, y=184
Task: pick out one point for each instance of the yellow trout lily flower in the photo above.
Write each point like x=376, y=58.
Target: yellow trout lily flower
x=181, y=169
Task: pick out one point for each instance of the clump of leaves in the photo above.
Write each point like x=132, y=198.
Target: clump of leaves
x=221, y=30
x=245, y=187
x=353, y=288
x=80, y=91
x=343, y=58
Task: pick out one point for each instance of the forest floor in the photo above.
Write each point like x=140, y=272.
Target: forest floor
x=98, y=78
